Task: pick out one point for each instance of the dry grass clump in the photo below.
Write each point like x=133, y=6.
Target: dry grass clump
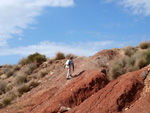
x=22, y=89
x=29, y=68
x=8, y=98
x=20, y=79
x=16, y=68
x=10, y=73
x=43, y=73
x=27, y=87
x=70, y=55
x=144, y=45
x=5, y=69
x=135, y=62
x=3, y=87
x=143, y=58
x=59, y=56
x=50, y=61
x=117, y=69
x=129, y=50
x=33, y=83
x=23, y=61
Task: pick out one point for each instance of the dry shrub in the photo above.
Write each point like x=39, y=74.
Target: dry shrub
x=43, y=73
x=5, y=69
x=20, y=79
x=22, y=89
x=131, y=64
x=33, y=84
x=70, y=55
x=23, y=61
x=27, y=87
x=137, y=61
x=50, y=61
x=142, y=58
x=33, y=58
x=36, y=57
x=117, y=69
x=29, y=68
x=129, y=50
x=59, y=56
x=3, y=86
x=144, y=45
x=10, y=73
x=8, y=98
x=16, y=68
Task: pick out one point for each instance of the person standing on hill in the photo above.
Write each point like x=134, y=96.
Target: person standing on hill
x=69, y=63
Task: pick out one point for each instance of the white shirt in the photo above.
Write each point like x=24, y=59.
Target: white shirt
x=67, y=62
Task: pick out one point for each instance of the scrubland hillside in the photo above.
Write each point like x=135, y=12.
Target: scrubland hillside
x=115, y=80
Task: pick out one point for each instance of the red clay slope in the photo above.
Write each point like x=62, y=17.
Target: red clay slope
x=75, y=92
x=116, y=96
x=87, y=92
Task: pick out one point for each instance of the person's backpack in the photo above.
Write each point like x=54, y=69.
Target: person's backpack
x=68, y=63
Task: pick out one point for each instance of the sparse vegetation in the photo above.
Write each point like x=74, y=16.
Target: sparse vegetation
x=129, y=50
x=8, y=98
x=50, y=61
x=33, y=58
x=26, y=75
x=33, y=84
x=135, y=62
x=29, y=68
x=10, y=73
x=27, y=87
x=22, y=89
x=117, y=69
x=20, y=79
x=144, y=45
x=3, y=86
x=60, y=56
x=70, y=55
x=23, y=61
x=43, y=73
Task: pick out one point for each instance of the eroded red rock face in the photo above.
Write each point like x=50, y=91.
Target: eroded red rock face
x=115, y=97
x=88, y=91
x=77, y=91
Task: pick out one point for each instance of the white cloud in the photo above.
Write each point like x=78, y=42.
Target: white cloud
x=51, y=48
x=137, y=7
x=16, y=15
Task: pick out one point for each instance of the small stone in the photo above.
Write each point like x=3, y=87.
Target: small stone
x=144, y=73
x=126, y=109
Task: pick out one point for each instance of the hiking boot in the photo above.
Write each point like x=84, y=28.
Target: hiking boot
x=67, y=78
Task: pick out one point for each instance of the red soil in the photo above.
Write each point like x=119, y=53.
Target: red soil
x=88, y=91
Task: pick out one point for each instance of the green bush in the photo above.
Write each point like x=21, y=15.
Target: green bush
x=129, y=50
x=144, y=45
x=60, y=56
x=37, y=58
x=33, y=58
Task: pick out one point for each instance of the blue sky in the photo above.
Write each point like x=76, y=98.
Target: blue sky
x=81, y=27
